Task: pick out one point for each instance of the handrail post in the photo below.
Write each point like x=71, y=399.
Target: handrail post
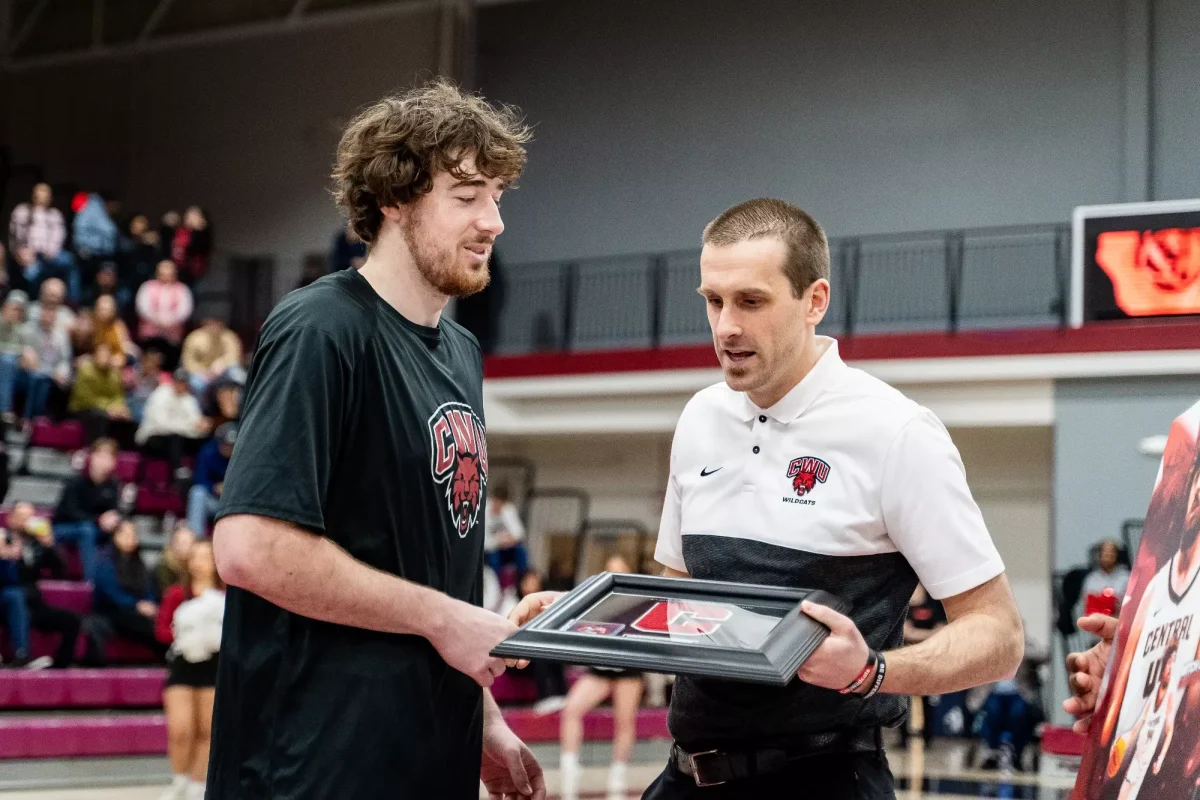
x=1062, y=269
x=658, y=294
x=955, y=248
x=851, y=252
x=570, y=280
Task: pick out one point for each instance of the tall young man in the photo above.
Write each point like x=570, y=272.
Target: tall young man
x=351, y=526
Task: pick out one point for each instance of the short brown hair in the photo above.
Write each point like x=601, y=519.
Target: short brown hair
x=391, y=151
x=808, y=249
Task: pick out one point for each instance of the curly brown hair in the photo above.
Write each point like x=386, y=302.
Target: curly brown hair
x=391, y=151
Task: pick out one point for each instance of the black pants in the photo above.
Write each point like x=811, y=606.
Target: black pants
x=97, y=423
x=839, y=776
x=173, y=448
x=128, y=623
x=56, y=620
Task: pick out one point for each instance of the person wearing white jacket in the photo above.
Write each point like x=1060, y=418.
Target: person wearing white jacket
x=189, y=620
x=172, y=423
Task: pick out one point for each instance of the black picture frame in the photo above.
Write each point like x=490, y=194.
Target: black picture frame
x=774, y=662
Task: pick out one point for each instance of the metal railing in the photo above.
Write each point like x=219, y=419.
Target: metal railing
x=990, y=278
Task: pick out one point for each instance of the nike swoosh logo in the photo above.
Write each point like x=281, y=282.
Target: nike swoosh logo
x=704, y=473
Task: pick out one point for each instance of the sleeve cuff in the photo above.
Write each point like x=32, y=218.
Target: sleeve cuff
x=965, y=581
x=302, y=520
x=669, y=559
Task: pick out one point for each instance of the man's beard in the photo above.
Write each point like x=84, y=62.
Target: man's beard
x=439, y=266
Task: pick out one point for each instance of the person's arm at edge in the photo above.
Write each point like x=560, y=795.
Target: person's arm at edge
x=982, y=642
x=307, y=574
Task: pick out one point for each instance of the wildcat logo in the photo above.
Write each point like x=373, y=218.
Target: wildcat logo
x=459, y=451
x=806, y=472
x=679, y=618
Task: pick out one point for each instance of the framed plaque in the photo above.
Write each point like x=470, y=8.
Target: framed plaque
x=680, y=626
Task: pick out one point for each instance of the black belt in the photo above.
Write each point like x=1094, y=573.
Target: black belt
x=714, y=767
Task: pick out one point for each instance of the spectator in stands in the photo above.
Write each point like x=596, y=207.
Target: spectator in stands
x=28, y=271
x=209, y=352
x=6, y=283
x=348, y=251
x=190, y=622
x=37, y=227
x=173, y=564
x=87, y=508
x=15, y=346
x=172, y=425
x=925, y=617
x=142, y=380
x=124, y=590
x=108, y=328
x=222, y=401
x=209, y=478
x=188, y=244
x=140, y=253
x=95, y=237
x=1104, y=587
x=503, y=532
x=53, y=295
x=588, y=692
x=164, y=305
x=12, y=601
x=49, y=363
x=40, y=559
x=107, y=282
x=98, y=398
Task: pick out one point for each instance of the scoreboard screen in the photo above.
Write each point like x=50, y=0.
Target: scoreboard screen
x=1135, y=260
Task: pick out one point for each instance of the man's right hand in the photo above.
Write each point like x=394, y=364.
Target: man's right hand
x=108, y=521
x=1085, y=670
x=146, y=608
x=467, y=636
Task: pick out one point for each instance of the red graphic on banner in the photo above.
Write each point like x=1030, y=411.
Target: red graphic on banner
x=681, y=618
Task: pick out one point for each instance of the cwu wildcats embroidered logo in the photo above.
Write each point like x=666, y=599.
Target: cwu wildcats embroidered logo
x=459, y=452
x=806, y=472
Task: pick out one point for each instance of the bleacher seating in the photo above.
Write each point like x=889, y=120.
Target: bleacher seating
x=82, y=688
x=130, y=734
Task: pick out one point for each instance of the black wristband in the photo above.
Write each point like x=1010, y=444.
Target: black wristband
x=880, y=672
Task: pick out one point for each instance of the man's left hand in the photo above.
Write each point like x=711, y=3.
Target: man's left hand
x=509, y=770
x=108, y=521
x=841, y=657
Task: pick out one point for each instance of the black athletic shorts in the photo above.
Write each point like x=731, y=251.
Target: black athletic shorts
x=199, y=674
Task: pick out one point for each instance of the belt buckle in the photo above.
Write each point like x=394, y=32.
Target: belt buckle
x=700, y=782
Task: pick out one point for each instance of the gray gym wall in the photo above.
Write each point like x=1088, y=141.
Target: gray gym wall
x=876, y=116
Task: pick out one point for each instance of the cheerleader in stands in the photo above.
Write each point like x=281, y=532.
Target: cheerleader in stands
x=190, y=622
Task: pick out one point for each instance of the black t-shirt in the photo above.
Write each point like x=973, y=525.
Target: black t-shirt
x=366, y=427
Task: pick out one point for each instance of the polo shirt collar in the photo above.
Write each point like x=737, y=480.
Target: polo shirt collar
x=802, y=395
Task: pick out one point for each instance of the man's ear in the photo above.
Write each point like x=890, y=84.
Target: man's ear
x=818, y=301
x=394, y=213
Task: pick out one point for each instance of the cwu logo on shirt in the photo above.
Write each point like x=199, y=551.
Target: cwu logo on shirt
x=459, y=453
x=806, y=472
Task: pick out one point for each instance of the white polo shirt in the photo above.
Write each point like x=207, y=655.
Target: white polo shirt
x=844, y=485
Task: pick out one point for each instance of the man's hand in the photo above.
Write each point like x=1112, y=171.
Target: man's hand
x=218, y=487
x=505, y=540
x=529, y=607
x=29, y=359
x=1086, y=670
x=467, y=636
x=841, y=657
x=146, y=608
x=509, y=770
x=108, y=521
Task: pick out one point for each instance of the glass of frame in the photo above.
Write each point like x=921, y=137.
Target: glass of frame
x=680, y=626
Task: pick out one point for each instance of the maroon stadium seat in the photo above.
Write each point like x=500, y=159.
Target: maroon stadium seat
x=65, y=435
